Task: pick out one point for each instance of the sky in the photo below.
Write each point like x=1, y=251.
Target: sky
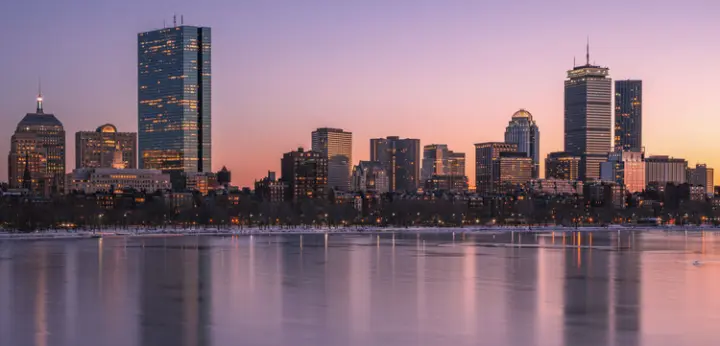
x=449, y=72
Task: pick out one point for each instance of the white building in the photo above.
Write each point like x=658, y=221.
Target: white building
x=92, y=180
x=626, y=168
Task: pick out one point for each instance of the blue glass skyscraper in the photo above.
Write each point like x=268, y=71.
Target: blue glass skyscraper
x=523, y=131
x=628, y=115
x=174, y=88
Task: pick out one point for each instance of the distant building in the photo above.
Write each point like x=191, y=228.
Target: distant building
x=588, y=116
x=665, y=169
x=97, y=149
x=563, y=166
x=626, y=168
x=628, y=115
x=487, y=177
x=370, y=176
x=202, y=182
x=269, y=189
x=555, y=187
x=93, y=180
x=336, y=146
x=702, y=175
x=37, y=153
x=523, y=131
x=457, y=164
x=513, y=170
x=174, y=99
x=605, y=194
x=224, y=177
x=447, y=182
x=401, y=159
x=305, y=173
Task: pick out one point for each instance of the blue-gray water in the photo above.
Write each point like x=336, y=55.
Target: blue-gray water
x=403, y=289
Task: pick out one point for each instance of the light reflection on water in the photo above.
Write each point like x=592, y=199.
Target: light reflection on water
x=364, y=289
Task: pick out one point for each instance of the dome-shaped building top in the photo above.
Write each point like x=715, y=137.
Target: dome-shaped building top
x=522, y=113
x=107, y=128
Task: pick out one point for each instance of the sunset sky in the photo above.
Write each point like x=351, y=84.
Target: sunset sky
x=450, y=71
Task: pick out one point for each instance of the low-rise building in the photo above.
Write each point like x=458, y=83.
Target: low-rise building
x=92, y=180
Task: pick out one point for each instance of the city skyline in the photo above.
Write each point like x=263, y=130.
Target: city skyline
x=449, y=87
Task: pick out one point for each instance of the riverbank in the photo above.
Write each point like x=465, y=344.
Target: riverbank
x=64, y=234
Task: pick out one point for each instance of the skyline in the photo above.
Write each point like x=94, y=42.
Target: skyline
x=292, y=73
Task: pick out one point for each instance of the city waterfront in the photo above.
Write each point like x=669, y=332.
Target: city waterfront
x=492, y=288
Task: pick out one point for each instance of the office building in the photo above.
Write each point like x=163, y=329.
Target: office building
x=447, y=182
x=486, y=169
x=512, y=170
x=628, y=115
x=305, y=173
x=664, y=169
x=523, y=131
x=93, y=180
x=457, y=164
x=97, y=149
x=174, y=99
x=588, y=116
x=401, y=159
x=563, y=166
x=37, y=153
x=370, y=176
x=625, y=168
x=336, y=146
x=439, y=161
x=702, y=175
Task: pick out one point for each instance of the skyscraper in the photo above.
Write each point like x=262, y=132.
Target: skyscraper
x=523, y=131
x=37, y=152
x=628, y=115
x=96, y=149
x=174, y=88
x=435, y=160
x=588, y=116
x=513, y=169
x=487, y=170
x=336, y=146
x=401, y=159
x=562, y=165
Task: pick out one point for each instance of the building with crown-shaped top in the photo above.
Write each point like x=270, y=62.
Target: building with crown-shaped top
x=523, y=131
x=37, y=153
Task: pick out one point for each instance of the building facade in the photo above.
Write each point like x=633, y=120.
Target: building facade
x=269, y=189
x=305, y=173
x=588, y=117
x=93, y=180
x=702, y=175
x=628, y=115
x=664, y=169
x=523, y=131
x=438, y=160
x=174, y=99
x=37, y=153
x=486, y=168
x=336, y=146
x=625, y=168
x=562, y=165
x=97, y=149
x=401, y=159
x=370, y=176
x=452, y=183
x=512, y=170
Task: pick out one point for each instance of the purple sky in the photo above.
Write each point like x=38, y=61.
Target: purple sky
x=443, y=71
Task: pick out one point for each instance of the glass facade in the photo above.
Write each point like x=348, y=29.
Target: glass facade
x=336, y=146
x=588, y=117
x=401, y=159
x=523, y=131
x=174, y=88
x=487, y=178
x=628, y=115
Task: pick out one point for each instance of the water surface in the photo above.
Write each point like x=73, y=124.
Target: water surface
x=402, y=289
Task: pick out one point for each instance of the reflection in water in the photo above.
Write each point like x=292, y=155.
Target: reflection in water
x=389, y=289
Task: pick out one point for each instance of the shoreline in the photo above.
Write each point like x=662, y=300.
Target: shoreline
x=117, y=233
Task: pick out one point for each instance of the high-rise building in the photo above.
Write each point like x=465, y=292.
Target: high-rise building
x=305, y=173
x=370, y=176
x=702, y=175
x=588, y=116
x=626, y=168
x=336, y=146
x=96, y=149
x=457, y=164
x=628, y=115
x=439, y=161
x=523, y=131
x=37, y=153
x=512, y=170
x=562, y=165
x=174, y=102
x=664, y=169
x=401, y=159
x=487, y=179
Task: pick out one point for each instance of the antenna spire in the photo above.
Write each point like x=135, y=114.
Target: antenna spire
x=587, y=52
x=39, y=98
